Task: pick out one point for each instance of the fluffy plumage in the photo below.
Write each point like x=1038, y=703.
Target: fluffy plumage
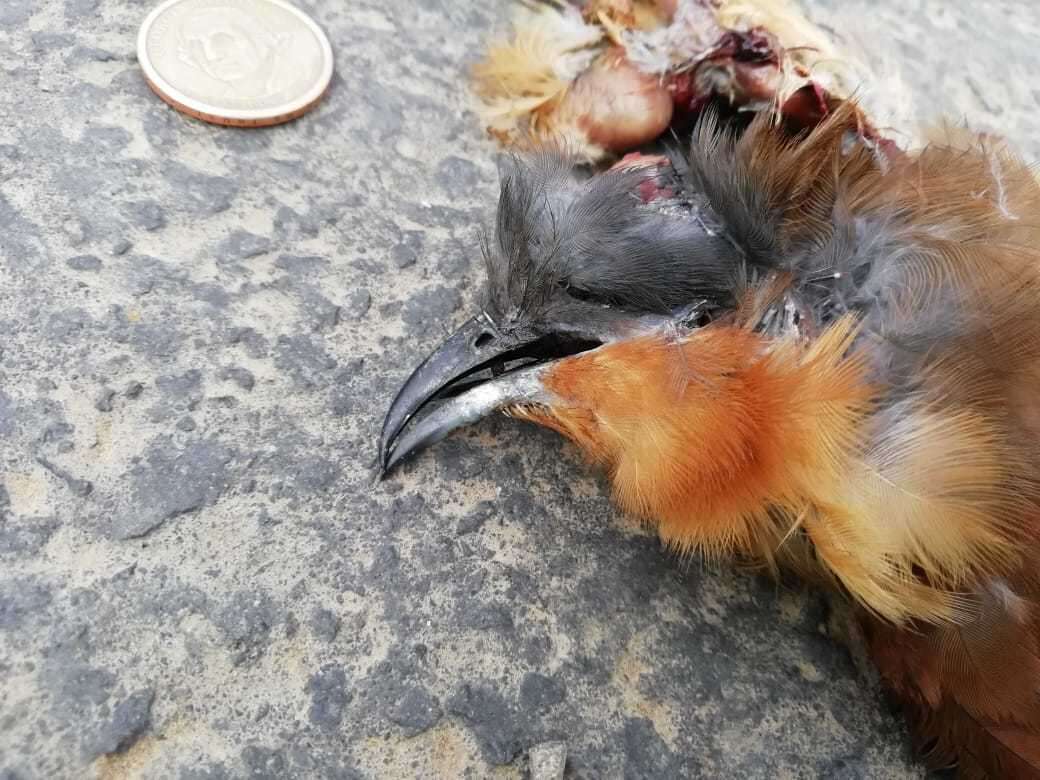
x=853, y=398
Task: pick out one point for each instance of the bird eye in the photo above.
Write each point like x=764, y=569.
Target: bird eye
x=579, y=294
x=483, y=339
x=696, y=319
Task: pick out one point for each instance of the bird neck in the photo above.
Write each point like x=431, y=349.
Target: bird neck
x=721, y=439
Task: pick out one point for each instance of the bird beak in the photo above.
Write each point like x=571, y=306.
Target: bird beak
x=477, y=370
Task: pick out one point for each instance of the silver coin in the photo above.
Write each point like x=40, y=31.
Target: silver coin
x=235, y=62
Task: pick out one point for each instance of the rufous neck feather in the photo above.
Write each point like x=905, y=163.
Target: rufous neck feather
x=716, y=437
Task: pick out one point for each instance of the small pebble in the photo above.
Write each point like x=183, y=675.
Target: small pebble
x=84, y=263
x=240, y=376
x=358, y=303
x=103, y=402
x=548, y=760
x=324, y=624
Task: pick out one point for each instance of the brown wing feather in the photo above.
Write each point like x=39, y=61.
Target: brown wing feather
x=971, y=692
x=936, y=531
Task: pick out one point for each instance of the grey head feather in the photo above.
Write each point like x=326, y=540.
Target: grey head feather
x=570, y=245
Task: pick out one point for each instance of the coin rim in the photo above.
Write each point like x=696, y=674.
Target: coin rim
x=212, y=112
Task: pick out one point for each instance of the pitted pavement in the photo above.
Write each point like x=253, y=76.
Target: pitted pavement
x=200, y=330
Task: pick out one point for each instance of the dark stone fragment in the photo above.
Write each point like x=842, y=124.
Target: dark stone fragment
x=254, y=343
x=487, y=617
x=45, y=41
x=329, y=696
x=145, y=214
x=415, y=711
x=109, y=138
x=406, y=252
x=475, y=518
x=431, y=307
x=84, y=263
x=26, y=537
x=181, y=387
x=324, y=624
x=539, y=692
x=358, y=303
x=103, y=401
x=458, y=177
x=81, y=9
x=647, y=757
x=242, y=377
x=315, y=474
x=292, y=225
x=301, y=265
x=78, y=685
x=81, y=487
x=304, y=359
x=172, y=482
x=247, y=621
x=129, y=720
x=263, y=763
x=242, y=245
x=498, y=731
x=201, y=193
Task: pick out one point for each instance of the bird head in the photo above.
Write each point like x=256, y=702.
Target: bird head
x=643, y=313
x=616, y=313
x=577, y=267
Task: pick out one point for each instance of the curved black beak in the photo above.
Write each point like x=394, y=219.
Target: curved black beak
x=476, y=370
x=468, y=350
x=523, y=386
x=481, y=368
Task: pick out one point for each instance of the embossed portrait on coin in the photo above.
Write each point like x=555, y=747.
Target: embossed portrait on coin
x=238, y=50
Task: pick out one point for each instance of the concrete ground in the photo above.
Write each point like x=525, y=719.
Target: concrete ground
x=200, y=330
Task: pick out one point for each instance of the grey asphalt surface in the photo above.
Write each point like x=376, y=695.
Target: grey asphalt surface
x=200, y=330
